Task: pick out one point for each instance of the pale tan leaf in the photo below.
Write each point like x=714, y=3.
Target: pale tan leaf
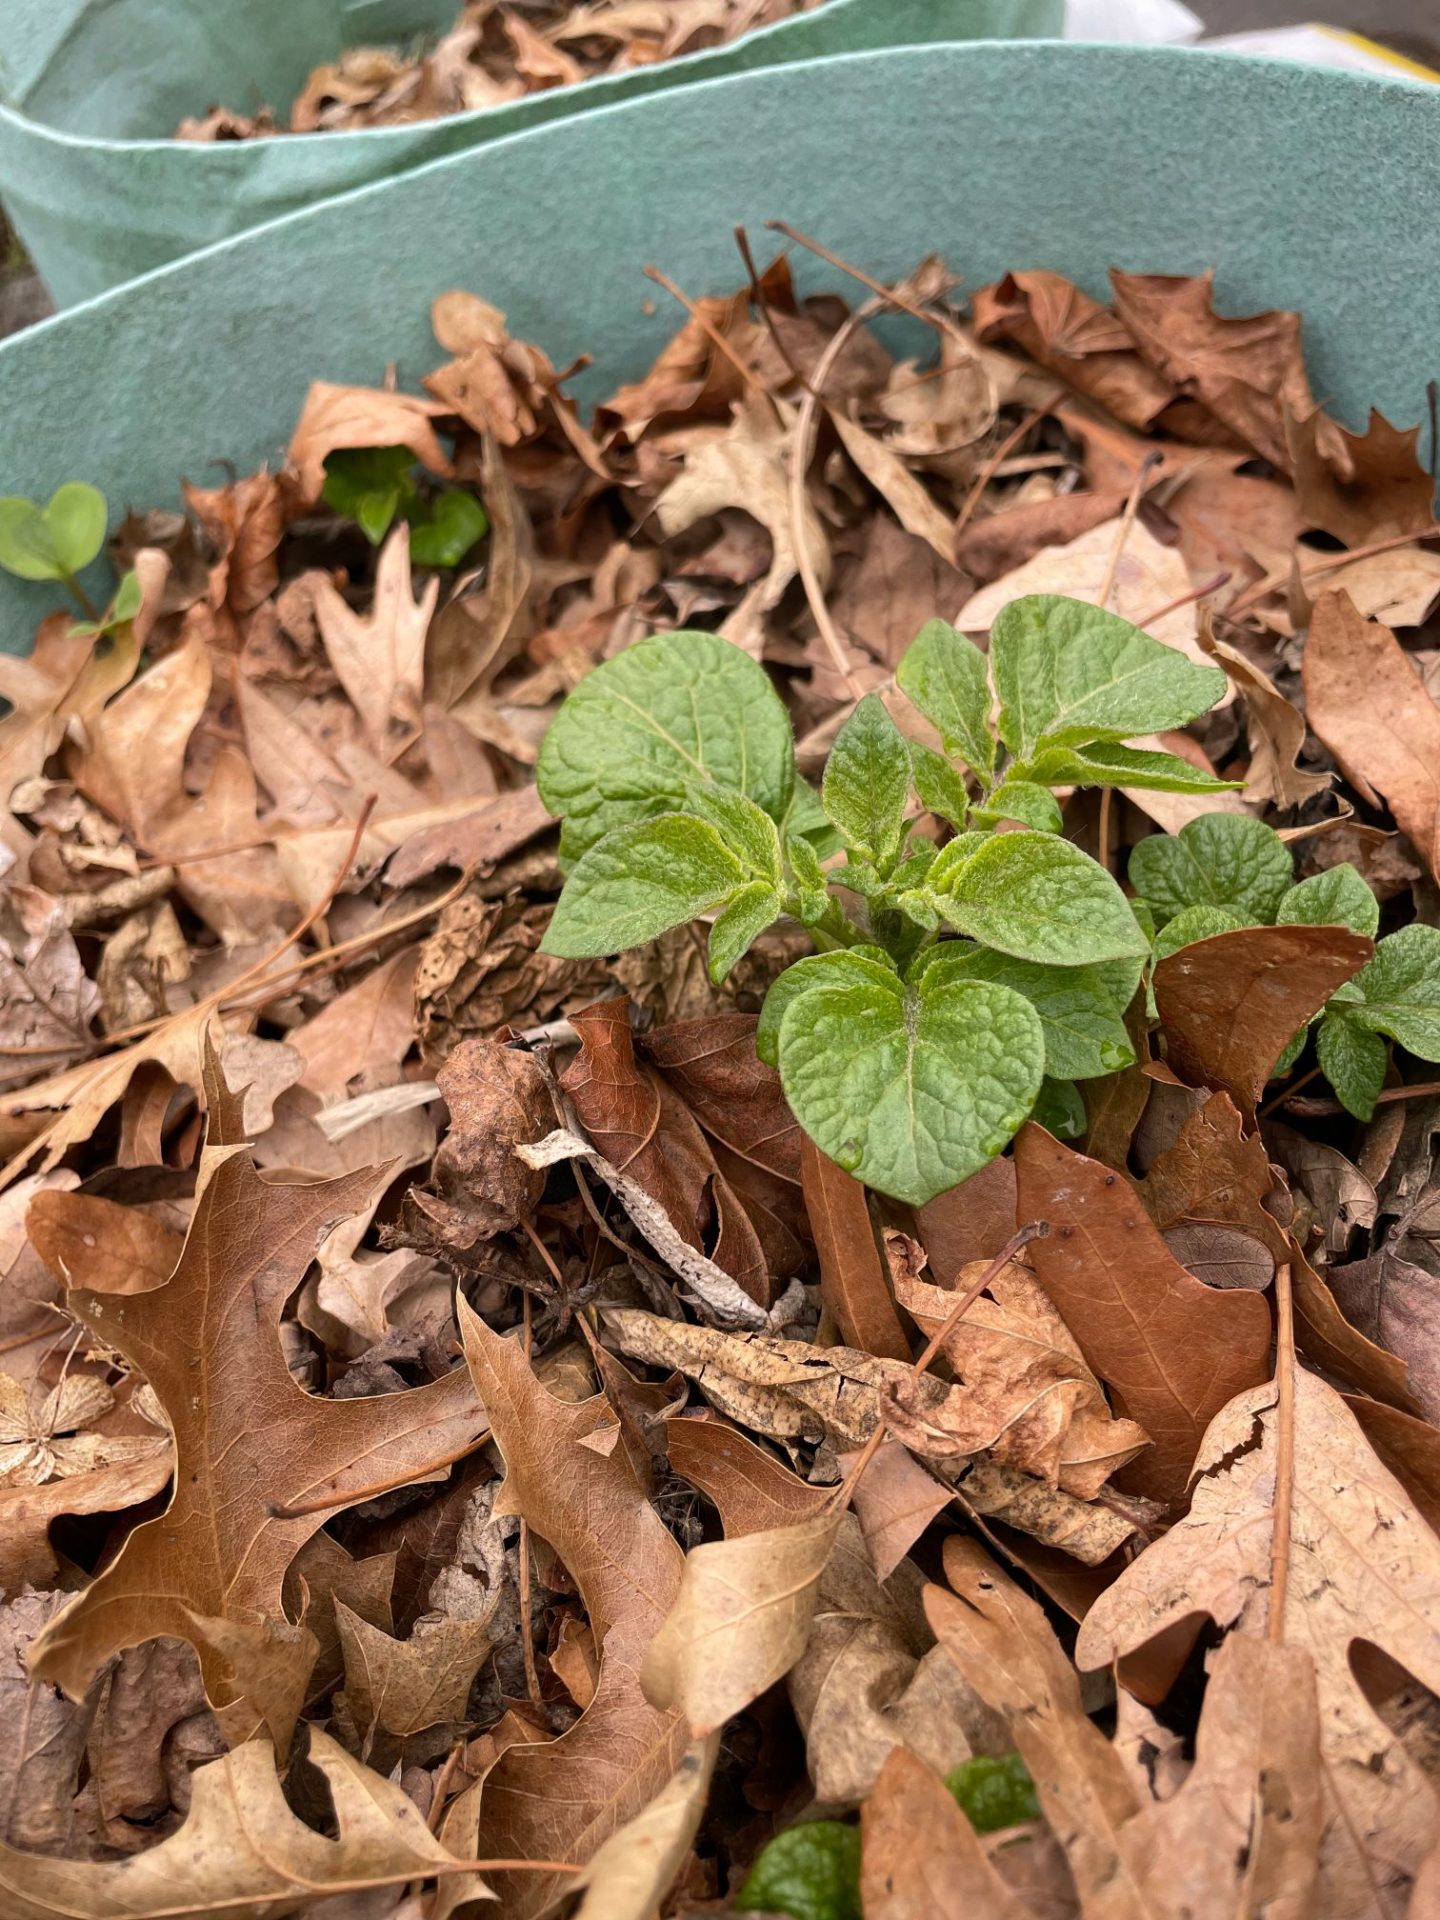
x=631, y=1874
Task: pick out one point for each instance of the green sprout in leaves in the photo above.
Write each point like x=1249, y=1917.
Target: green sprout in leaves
x=1227, y=870
x=375, y=486
x=954, y=986
x=58, y=542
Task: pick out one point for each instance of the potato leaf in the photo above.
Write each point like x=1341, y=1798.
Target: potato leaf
x=1028, y=801
x=1037, y=897
x=1339, y=897
x=1401, y=991
x=1101, y=763
x=1066, y=672
x=867, y=782
x=1353, y=1059
x=1085, y=1033
x=641, y=880
x=1220, y=860
x=909, y=1088
x=946, y=676
x=672, y=711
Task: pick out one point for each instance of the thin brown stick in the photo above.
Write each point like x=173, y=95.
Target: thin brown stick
x=1334, y=560
x=757, y=295
x=1284, y=1453
x=442, y=1785
x=1036, y=1230
x=1289, y=1093
x=326, y=1503
x=1105, y=800
x=1325, y=1109
x=877, y=287
x=1127, y=521
x=527, y=1627
x=993, y=465
x=1184, y=599
x=718, y=341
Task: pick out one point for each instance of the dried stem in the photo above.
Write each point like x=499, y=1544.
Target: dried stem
x=1284, y=1452
x=993, y=465
x=1127, y=521
x=1184, y=599
x=527, y=1625
x=719, y=342
x=757, y=294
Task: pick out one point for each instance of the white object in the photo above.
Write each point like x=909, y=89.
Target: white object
x=1154, y=23
x=1324, y=47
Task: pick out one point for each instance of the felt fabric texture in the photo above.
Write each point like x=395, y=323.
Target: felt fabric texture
x=1305, y=188
x=92, y=89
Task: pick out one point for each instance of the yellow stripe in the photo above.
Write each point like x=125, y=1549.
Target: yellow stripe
x=1385, y=55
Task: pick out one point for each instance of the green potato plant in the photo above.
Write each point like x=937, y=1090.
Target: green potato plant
x=952, y=987
x=373, y=486
x=1226, y=870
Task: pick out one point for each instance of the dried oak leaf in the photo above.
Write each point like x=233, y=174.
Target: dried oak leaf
x=379, y=656
x=498, y=1099
x=1366, y=702
x=245, y=523
x=1361, y=1565
x=562, y=1799
x=404, y=1686
x=47, y=1001
x=1275, y=731
x=635, y=1869
x=260, y=1462
x=1246, y=1821
x=643, y=1128
x=1230, y=1005
x=1086, y=344
x=1359, y=487
x=241, y=1850
x=920, y=1858
x=1172, y=1350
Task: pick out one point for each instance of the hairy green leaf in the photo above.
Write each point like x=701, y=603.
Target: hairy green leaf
x=1067, y=673
x=860, y=966
x=1037, y=897
x=1401, y=991
x=810, y=1872
x=807, y=877
x=676, y=710
x=912, y=1089
x=1101, y=763
x=740, y=924
x=1338, y=897
x=947, y=677
x=941, y=789
x=1353, y=1059
x=638, y=882
x=1060, y=1109
x=1085, y=1033
x=1192, y=924
x=867, y=782
x=1023, y=800
x=751, y=835
x=994, y=1791
x=1220, y=860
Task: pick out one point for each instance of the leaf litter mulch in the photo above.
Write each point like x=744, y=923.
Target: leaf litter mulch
x=450, y=1415
x=495, y=54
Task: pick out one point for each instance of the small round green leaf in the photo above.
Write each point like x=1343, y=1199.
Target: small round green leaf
x=127, y=598
x=1037, y=897
x=443, y=533
x=27, y=548
x=76, y=517
x=1220, y=860
x=994, y=1791
x=810, y=1872
x=911, y=1089
x=640, y=881
x=1401, y=991
x=1192, y=924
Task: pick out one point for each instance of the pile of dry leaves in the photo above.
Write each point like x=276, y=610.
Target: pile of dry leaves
x=443, y=1394
x=498, y=52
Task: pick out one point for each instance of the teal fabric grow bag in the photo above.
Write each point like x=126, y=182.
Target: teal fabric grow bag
x=1301, y=186
x=92, y=88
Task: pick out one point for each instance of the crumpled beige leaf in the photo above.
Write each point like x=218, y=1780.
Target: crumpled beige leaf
x=741, y=1620
x=1029, y=1398
x=1363, y=1565
x=47, y=1001
x=379, y=656
x=242, y=1850
x=335, y=419
x=404, y=1686
x=747, y=466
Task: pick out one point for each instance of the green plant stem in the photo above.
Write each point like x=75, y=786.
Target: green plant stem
x=82, y=599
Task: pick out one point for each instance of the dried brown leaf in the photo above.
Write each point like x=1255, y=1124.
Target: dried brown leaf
x=854, y=1283
x=919, y=1856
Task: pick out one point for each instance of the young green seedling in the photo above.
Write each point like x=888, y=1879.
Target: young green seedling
x=373, y=486
x=1226, y=870
x=950, y=984
x=57, y=542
